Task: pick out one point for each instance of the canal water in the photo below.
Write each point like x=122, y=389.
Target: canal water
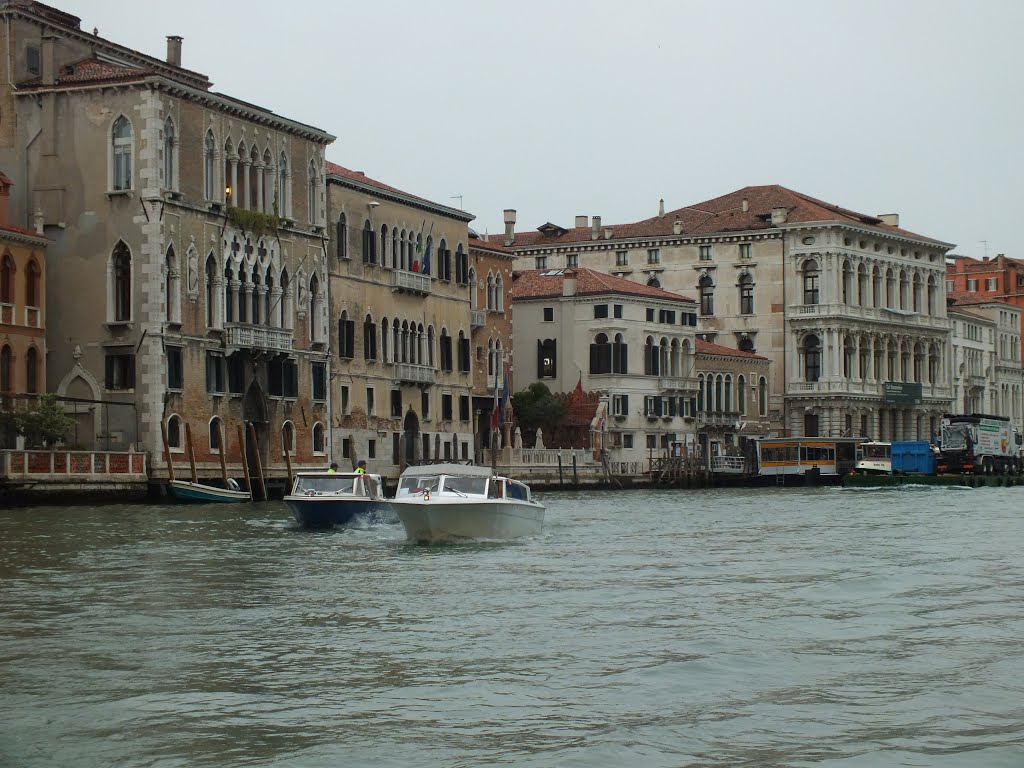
x=647, y=628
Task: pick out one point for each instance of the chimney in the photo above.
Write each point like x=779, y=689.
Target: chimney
x=677, y=227
x=595, y=227
x=38, y=221
x=892, y=219
x=661, y=207
x=174, y=50
x=779, y=216
x=746, y=205
x=510, y=226
x=569, y=282
x=49, y=64
x=607, y=233
x=582, y=222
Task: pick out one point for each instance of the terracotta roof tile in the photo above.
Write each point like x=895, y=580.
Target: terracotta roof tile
x=93, y=70
x=709, y=348
x=967, y=298
x=722, y=214
x=21, y=231
x=541, y=284
x=358, y=176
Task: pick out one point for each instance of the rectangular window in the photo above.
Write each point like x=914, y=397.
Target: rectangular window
x=667, y=316
x=319, y=375
x=120, y=372
x=549, y=314
x=617, y=310
x=463, y=407
x=744, y=250
x=650, y=314
x=949, y=286
x=175, y=369
x=652, y=441
x=425, y=404
x=32, y=59
x=622, y=258
x=291, y=378
x=541, y=262
x=344, y=398
x=215, y=374
x=653, y=256
x=396, y=403
x=236, y=374
x=990, y=284
x=371, y=449
x=446, y=407
x=346, y=448
x=972, y=286
x=371, y=408
x=620, y=405
x=704, y=251
x=572, y=260
x=600, y=311
x=627, y=440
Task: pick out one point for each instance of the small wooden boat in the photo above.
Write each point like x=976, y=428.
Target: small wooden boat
x=200, y=493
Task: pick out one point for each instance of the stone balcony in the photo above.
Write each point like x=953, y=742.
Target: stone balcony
x=408, y=373
x=410, y=282
x=859, y=388
x=259, y=337
x=477, y=318
x=676, y=384
x=911, y=318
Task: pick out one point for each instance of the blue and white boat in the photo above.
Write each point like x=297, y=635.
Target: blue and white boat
x=200, y=493
x=325, y=499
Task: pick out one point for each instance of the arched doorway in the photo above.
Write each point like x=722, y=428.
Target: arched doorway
x=411, y=437
x=254, y=412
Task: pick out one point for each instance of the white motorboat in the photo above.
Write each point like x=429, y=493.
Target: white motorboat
x=874, y=458
x=442, y=502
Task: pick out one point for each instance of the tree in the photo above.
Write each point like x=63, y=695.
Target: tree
x=45, y=424
x=536, y=407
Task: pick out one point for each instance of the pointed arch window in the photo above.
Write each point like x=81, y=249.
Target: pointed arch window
x=121, y=151
x=269, y=203
x=7, y=272
x=340, y=234
x=214, y=434
x=212, y=319
x=6, y=361
x=499, y=291
x=121, y=283
x=369, y=339
x=384, y=247
x=284, y=180
x=174, y=432
x=172, y=286
x=32, y=292
x=369, y=244
x=314, y=309
x=32, y=371
x=319, y=444
x=762, y=396
x=170, y=142
x=210, y=167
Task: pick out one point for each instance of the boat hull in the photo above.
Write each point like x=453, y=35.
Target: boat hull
x=197, y=493
x=432, y=522
x=318, y=512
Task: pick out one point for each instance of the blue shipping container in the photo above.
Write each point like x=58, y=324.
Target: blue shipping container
x=913, y=457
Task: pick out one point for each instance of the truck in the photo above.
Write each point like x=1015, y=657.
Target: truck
x=978, y=443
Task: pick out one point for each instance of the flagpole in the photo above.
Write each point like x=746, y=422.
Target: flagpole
x=494, y=422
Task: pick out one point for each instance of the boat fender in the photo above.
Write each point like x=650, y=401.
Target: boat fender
x=233, y=484
x=426, y=495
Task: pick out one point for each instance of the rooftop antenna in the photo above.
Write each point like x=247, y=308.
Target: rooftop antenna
x=984, y=244
x=459, y=198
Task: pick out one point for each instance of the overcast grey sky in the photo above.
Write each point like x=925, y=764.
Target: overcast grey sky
x=558, y=108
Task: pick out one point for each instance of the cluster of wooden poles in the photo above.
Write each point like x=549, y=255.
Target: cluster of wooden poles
x=260, y=478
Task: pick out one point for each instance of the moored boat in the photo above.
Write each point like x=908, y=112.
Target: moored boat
x=442, y=502
x=200, y=493
x=324, y=499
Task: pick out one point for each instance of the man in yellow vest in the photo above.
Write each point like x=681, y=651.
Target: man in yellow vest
x=361, y=467
x=334, y=467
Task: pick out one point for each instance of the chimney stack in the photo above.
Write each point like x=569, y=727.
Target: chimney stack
x=746, y=205
x=779, y=216
x=608, y=233
x=174, y=50
x=892, y=219
x=677, y=227
x=39, y=222
x=510, y=226
x=595, y=227
x=661, y=207
x=582, y=222
x=569, y=282
x=49, y=64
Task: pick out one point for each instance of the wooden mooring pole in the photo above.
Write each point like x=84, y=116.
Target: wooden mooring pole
x=259, y=461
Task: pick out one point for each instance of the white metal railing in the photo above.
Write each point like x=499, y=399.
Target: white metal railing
x=257, y=337
x=549, y=456
x=728, y=464
x=410, y=281
x=415, y=374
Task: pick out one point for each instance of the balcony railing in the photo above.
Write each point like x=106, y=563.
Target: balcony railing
x=415, y=374
x=33, y=317
x=728, y=465
x=413, y=282
x=477, y=318
x=919, y=318
x=853, y=387
x=7, y=314
x=260, y=337
x=676, y=383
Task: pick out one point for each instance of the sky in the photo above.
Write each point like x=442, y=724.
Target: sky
x=560, y=108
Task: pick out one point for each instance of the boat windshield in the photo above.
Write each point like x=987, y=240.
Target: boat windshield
x=464, y=486
x=411, y=485
x=323, y=484
x=876, y=451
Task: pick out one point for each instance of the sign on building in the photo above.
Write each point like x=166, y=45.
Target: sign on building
x=903, y=393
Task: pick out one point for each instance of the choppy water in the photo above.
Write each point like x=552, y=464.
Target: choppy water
x=706, y=628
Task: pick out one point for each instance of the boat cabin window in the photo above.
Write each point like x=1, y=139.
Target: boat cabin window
x=323, y=484
x=514, y=490
x=876, y=451
x=411, y=485
x=494, y=488
x=464, y=486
